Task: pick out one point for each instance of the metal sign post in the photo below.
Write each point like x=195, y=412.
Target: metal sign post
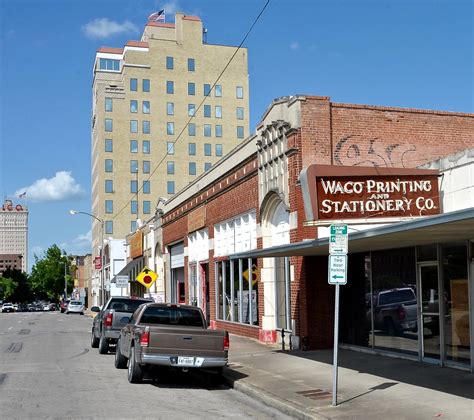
x=337, y=275
x=336, y=347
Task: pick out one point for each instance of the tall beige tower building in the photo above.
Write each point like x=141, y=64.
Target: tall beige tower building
x=14, y=233
x=149, y=136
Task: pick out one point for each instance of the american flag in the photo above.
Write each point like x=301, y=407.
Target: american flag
x=157, y=16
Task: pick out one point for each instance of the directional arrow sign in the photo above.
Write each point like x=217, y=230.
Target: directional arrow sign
x=337, y=270
x=147, y=277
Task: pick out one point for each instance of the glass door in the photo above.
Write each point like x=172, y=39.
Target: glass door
x=429, y=312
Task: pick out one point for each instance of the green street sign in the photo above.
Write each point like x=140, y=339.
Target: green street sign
x=338, y=239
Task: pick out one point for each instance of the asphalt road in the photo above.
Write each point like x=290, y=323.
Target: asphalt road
x=48, y=370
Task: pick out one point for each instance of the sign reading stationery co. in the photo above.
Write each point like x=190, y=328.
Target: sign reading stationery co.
x=342, y=192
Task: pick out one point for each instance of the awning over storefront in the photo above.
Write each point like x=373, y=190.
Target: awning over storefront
x=447, y=227
x=135, y=265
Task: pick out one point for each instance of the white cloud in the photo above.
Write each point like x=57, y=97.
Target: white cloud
x=295, y=46
x=105, y=28
x=85, y=237
x=60, y=187
x=80, y=245
x=38, y=251
x=170, y=8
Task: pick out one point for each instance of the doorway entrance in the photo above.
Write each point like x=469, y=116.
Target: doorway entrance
x=429, y=316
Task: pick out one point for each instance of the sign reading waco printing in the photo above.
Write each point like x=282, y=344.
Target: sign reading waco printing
x=346, y=192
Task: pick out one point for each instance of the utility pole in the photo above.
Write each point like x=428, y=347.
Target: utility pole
x=101, y=248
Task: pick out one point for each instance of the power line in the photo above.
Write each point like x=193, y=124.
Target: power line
x=196, y=110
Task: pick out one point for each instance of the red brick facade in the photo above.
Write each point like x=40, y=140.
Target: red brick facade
x=330, y=133
x=233, y=194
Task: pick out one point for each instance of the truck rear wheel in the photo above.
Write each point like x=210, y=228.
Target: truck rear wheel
x=120, y=359
x=94, y=340
x=390, y=327
x=103, y=345
x=135, y=374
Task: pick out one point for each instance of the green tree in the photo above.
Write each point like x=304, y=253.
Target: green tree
x=7, y=288
x=48, y=274
x=21, y=292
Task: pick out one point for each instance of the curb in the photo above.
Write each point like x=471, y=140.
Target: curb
x=269, y=399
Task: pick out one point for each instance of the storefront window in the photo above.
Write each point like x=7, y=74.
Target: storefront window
x=193, y=296
x=234, y=291
x=456, y=302
x=383, y=282
x=219, y=288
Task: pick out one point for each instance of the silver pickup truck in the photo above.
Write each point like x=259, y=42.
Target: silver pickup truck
x=171, y=335
x=107, y=323
x=395, y=310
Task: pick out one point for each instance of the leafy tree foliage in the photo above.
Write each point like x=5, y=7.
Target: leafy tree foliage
x=7, y=288
x=48, y=274
x=16, y=285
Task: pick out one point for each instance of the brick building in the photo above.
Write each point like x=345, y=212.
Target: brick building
x=243, y=243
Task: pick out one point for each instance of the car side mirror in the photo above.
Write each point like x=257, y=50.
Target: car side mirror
x=125, y=319
x=95, y=309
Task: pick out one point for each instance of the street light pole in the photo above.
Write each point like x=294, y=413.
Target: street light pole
x=101, y=246
x=65, y=281
x=65, y=273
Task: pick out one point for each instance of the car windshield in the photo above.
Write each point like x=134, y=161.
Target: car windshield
x=76, y=303
x=126, y=305
x=172, y=316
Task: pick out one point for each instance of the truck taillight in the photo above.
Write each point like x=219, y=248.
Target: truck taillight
x=226, y=341
x=108, y=319
x=401, y=313
x=145, y=338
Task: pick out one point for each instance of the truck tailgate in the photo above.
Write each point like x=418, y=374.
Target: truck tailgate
x=191, y=341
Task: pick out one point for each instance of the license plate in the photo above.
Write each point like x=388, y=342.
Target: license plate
x=186, y=361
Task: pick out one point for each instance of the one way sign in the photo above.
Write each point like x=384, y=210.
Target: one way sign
x=337, y=273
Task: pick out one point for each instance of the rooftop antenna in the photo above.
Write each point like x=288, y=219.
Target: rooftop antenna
x=204, y=35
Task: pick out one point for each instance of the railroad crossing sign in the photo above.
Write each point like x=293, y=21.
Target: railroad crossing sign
x=337, y=273
x=147, y=277
x=338, y=241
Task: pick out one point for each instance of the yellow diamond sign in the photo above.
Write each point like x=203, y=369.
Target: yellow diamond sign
x=245, y=274
x=147, y=277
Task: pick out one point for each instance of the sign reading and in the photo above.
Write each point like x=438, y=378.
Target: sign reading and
x=147, y=277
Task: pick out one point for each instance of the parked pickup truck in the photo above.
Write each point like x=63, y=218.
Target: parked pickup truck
x=107, y=323
x=170, y=335
x=395, y=310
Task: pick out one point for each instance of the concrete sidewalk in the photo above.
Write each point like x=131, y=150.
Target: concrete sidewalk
x=370, y=386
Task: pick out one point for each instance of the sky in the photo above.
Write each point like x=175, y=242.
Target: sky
x=404, y=53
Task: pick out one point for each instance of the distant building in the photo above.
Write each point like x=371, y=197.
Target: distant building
x=144, y=96
x=12, y=261
x=14, y=231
